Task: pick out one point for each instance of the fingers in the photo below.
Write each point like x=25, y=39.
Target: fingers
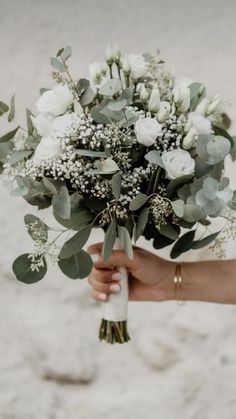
x=116, y=259
x=104, y=282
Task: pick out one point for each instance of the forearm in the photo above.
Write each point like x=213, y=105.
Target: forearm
x=213, y=281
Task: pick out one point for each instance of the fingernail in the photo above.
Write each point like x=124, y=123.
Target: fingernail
x=95, y=258
x=102, y=296
x=115, y=288
x=116, y=276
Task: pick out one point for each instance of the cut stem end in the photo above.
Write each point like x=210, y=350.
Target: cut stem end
x=114, y=332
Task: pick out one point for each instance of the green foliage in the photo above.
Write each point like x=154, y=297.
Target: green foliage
x=116, y=185
x=18, y=156
x=212, y=149
x=232, y=203
x=78, y=266
x=64, y=53
x=41, y=229
x=125, y=241
x=155, y=158
x=110, y=87
x=197, y=92
x=61, y=203
x=183, y=244
x=170, y=231
x=176, y=184
x=34, y=192
x=199, y=244
x=57, y=64
x=138, y=202
x=9, y=136
x=109, y=240
x=11, y=114
x=76, y=243
x=141, y=223
x=104, y=167
x=22, y=270
x=3, y=108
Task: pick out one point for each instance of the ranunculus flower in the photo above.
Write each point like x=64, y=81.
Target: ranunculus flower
x=42, y=124
x=55, y=101
x=200, y=123
x=138, y=66
x=178, y=163
x=48, y=148
x=147, y=131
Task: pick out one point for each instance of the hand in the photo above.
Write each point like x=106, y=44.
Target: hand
x=150, y=277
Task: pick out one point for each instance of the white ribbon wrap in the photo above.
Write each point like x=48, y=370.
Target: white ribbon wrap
x=115, y=308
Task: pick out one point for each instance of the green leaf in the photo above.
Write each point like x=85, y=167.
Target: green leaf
x=66, y=53
x=141, y=223
x=78, y=218
x=3, y=108
x=176, y=184
x=110, y=87
x=117, y=105
x=197, y=91
x=11, y=114
x=59, y=52
x=30, y=125
x=61, y=203
x=91, y=153
x=103, y=167
x=127, y=94
x=116, y=185
x=42, y=228
x=22, y=270
x=97, y=115
x=232, y=203
x=77, y=266
x=178, y=207
x=125, y=241
x=17, y=156
x=109, y=240
x=223, y=133
x=75, y=243
x=57, y=64
x=161, y=241
x=7, y=137
x=36, y=194
x=217, y=149
x=198, y=244
x=87, y=97
x=50, y=185
x=82, y=85
x=183, y=244
x=138, y=202
x=155, y=158
x=192, y=213
x=168, y=230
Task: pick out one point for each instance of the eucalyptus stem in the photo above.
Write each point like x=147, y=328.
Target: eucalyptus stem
x=110, y=70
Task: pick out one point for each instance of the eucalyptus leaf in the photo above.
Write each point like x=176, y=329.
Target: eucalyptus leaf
x=176, y=184
x=18, y=156
x=78, y=266
x=127, y=94
x=192, y=213
x=3, y=108
x=109, y=240
x=91, y=153
x=183, y=244
x=75, y=243
x=82, y=85
x=197, y=91
x=138, y=202
x=103, y=167
x=125, y=241
x=232, y=203
x=155, y=158
x=42, y=228
x=199, y=244
x=217, y=149
x=23, y=272
x=87, y=97
x=141, y=223
x=178, y=207
x=30, y=125
x=116, y=185
x=11, y=114
x=168, y=230
x=117, y=105
x=98, y=116
x=61, y=203
x=161, y=241
x=66, y=53
x=7, y=137
x=57, y=64
x=223, y=133
x=110, y=87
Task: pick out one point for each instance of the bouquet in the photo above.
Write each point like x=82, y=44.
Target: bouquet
x=131, y=150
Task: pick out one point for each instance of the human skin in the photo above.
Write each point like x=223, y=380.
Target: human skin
x=151, y=278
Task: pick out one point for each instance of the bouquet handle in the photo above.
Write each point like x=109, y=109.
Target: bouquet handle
x=114, y=320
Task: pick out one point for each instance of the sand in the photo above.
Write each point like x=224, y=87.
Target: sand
x=181, y=360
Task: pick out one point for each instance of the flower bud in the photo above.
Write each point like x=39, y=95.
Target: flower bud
x=144, y=95
x=116, y=54
x=202, y=107
x=164, y=111
x=182, y=98
x=154, y=101
x=189, y=140
x=125, y=65
x=109, y=55
x=212, y=107
x=95, y=72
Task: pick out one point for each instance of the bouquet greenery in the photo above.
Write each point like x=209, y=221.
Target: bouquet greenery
x=133, y=151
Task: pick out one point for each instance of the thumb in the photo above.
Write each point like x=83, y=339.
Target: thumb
x=116, y=259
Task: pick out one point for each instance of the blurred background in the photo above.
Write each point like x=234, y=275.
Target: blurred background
x=181, y=361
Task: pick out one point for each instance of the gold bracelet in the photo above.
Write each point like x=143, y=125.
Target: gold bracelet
x=178, y=284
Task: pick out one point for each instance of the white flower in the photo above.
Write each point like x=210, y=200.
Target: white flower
x=63, y=125
x=48, y=148
x=144, y=94
x=55, y=101
x=182, y=98
x=214, y=105
x=200, y=123
x=43, y=124
x=138, y=67
x=190, y=139
x=202, y=106
x=125, y=64
x=95, y=72
x=164, y=111
x=147, y=131
x=178, y=163
x=110, y=55
x=154, y=101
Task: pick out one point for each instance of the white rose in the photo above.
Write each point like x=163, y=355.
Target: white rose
x=182, y=98
x=55, y=101
x=147, y=131
x=48, y=148
x=138, y=67
x=42, y=124
x=65, y=124
x=164, y=111
x=178, y=163
x=200, y=123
